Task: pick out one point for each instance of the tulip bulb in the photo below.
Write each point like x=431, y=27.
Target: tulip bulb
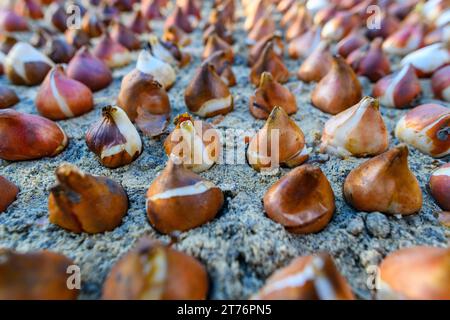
x=426, y=128
x=145, y=101
x=440, y=83
x=428, y=59
x=220, y=61
x=59, y=51
x=38, y=275
x=158, y=69
x=92, y=25
x=300, y=24
x=439, y=186
x=8, y=98
x=29, y=8
x=60, y=97
x=255, y=13
x=270, y=94
x=357, y=131
x=57, y=17
x=389, y=24
x=114, y=139
x=350, y=43
x=305, y=44
x=77, y=37
x=176, y=35
x=264, y=26
x=6, y=44
x=385, y=184
x=305, y=278
x=180, y=200
x=207, y=95
x=405, y=40
x=340, y=25
x=196, y=143
x=338, y=90
x=153, y=271
x=215, y=43
x=189, y=8
x=12, y=22
x=220, y=30
x=80, y=202
x=269, y=61
x=302, y=201
x=280, y=132
x=139, y=24
x=29, y=137
x=111, y=52
x=151, y=9
x=8, y=195
x=178, y=18
x=168, y=52
x=89, y=70
x=125, y=36
x=428, y=276
x=317, y=65
x=24, y=65
x=257, y=49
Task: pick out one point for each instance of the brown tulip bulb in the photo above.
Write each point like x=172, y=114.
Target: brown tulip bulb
x=428, y=59
x=89, y=70
x=317, y=65
x=301, y=23
x=389, y=24
x=264, y=26
x=302, y=201
x=153, y=271
x=440, y=186
x=271, y=94
x=255, y=13
x=304, y=45
x=180, y=200
x=24, y=65
x=350, y=43
x=284, y=5
x=176, y=35
x=279, y=142
x=428, y=276
x=28, y=137
x=12, y=22
x=370, y=61
x=357, y=131
x=29, y=8
x=338, y=90
x=340, y=25
x=114, y=139
x=80, y=202
x=269, y=61
x=325, y=14
x=426, y=127
x=222, y=65
x=77, y=38
x=385, y=184
x=41, y=275
x=407, y=39
x=8, y=194
x=220, y=30
x=8, y=97
x=92, y=25
x=190, y=8
x=145, y=101
x=111, y=52
x=402, y=9
x=196, y=143
x=60, y=97
x=207, y=95
x=313, y=277
x=180, y=19
x=151, y=9
x=440, y=83
x=124, y=36
x=257, y=49
x=59, y=50
x=291, y=14
x=399, y=89
x=215, y=43
x=57, y=16
x=139, y=24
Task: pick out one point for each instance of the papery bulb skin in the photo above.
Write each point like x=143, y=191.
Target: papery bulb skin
x=111, y=52
x=399, y=89
x=8, y=97
x=222, y=66
x=180, y=200
x=317, y=65
x=207, y=95
x=313, y=277
x=160, y=70
x=385, y=184
x=338, y=90
x=89, y=70
x=29, y=137
x=153, y=271
x=145, y=101
x=304, y=45
x=357, y=131
x=428, y=59
x=269, y=61
x=426, y=128
x=196, y=143
x=80, y=202
x=60, y=97
x=350, y=43
x=39, y=275
x=114, y=139
x=124, y=36
x=340, y=25
x=302, y=201
x=439, y=186
x=428, y=276
x=12, y=22
x=8, y=195
x=215, y=43
x=59, y=51
x=370, y=61
x=24, y=65
x=168, y=52
x=92, y=25
x=139, y=24
x=279, y=142
x=77, y=38
x=257, y=49
x=270, y=94
x=440, y=83
x=178, y=18
x=408, y=39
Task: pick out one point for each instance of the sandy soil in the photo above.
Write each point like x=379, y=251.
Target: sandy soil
x=241, y=247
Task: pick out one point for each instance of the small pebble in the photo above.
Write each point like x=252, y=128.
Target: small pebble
x=369, y=258
x=378, y=225
x=356, y=226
